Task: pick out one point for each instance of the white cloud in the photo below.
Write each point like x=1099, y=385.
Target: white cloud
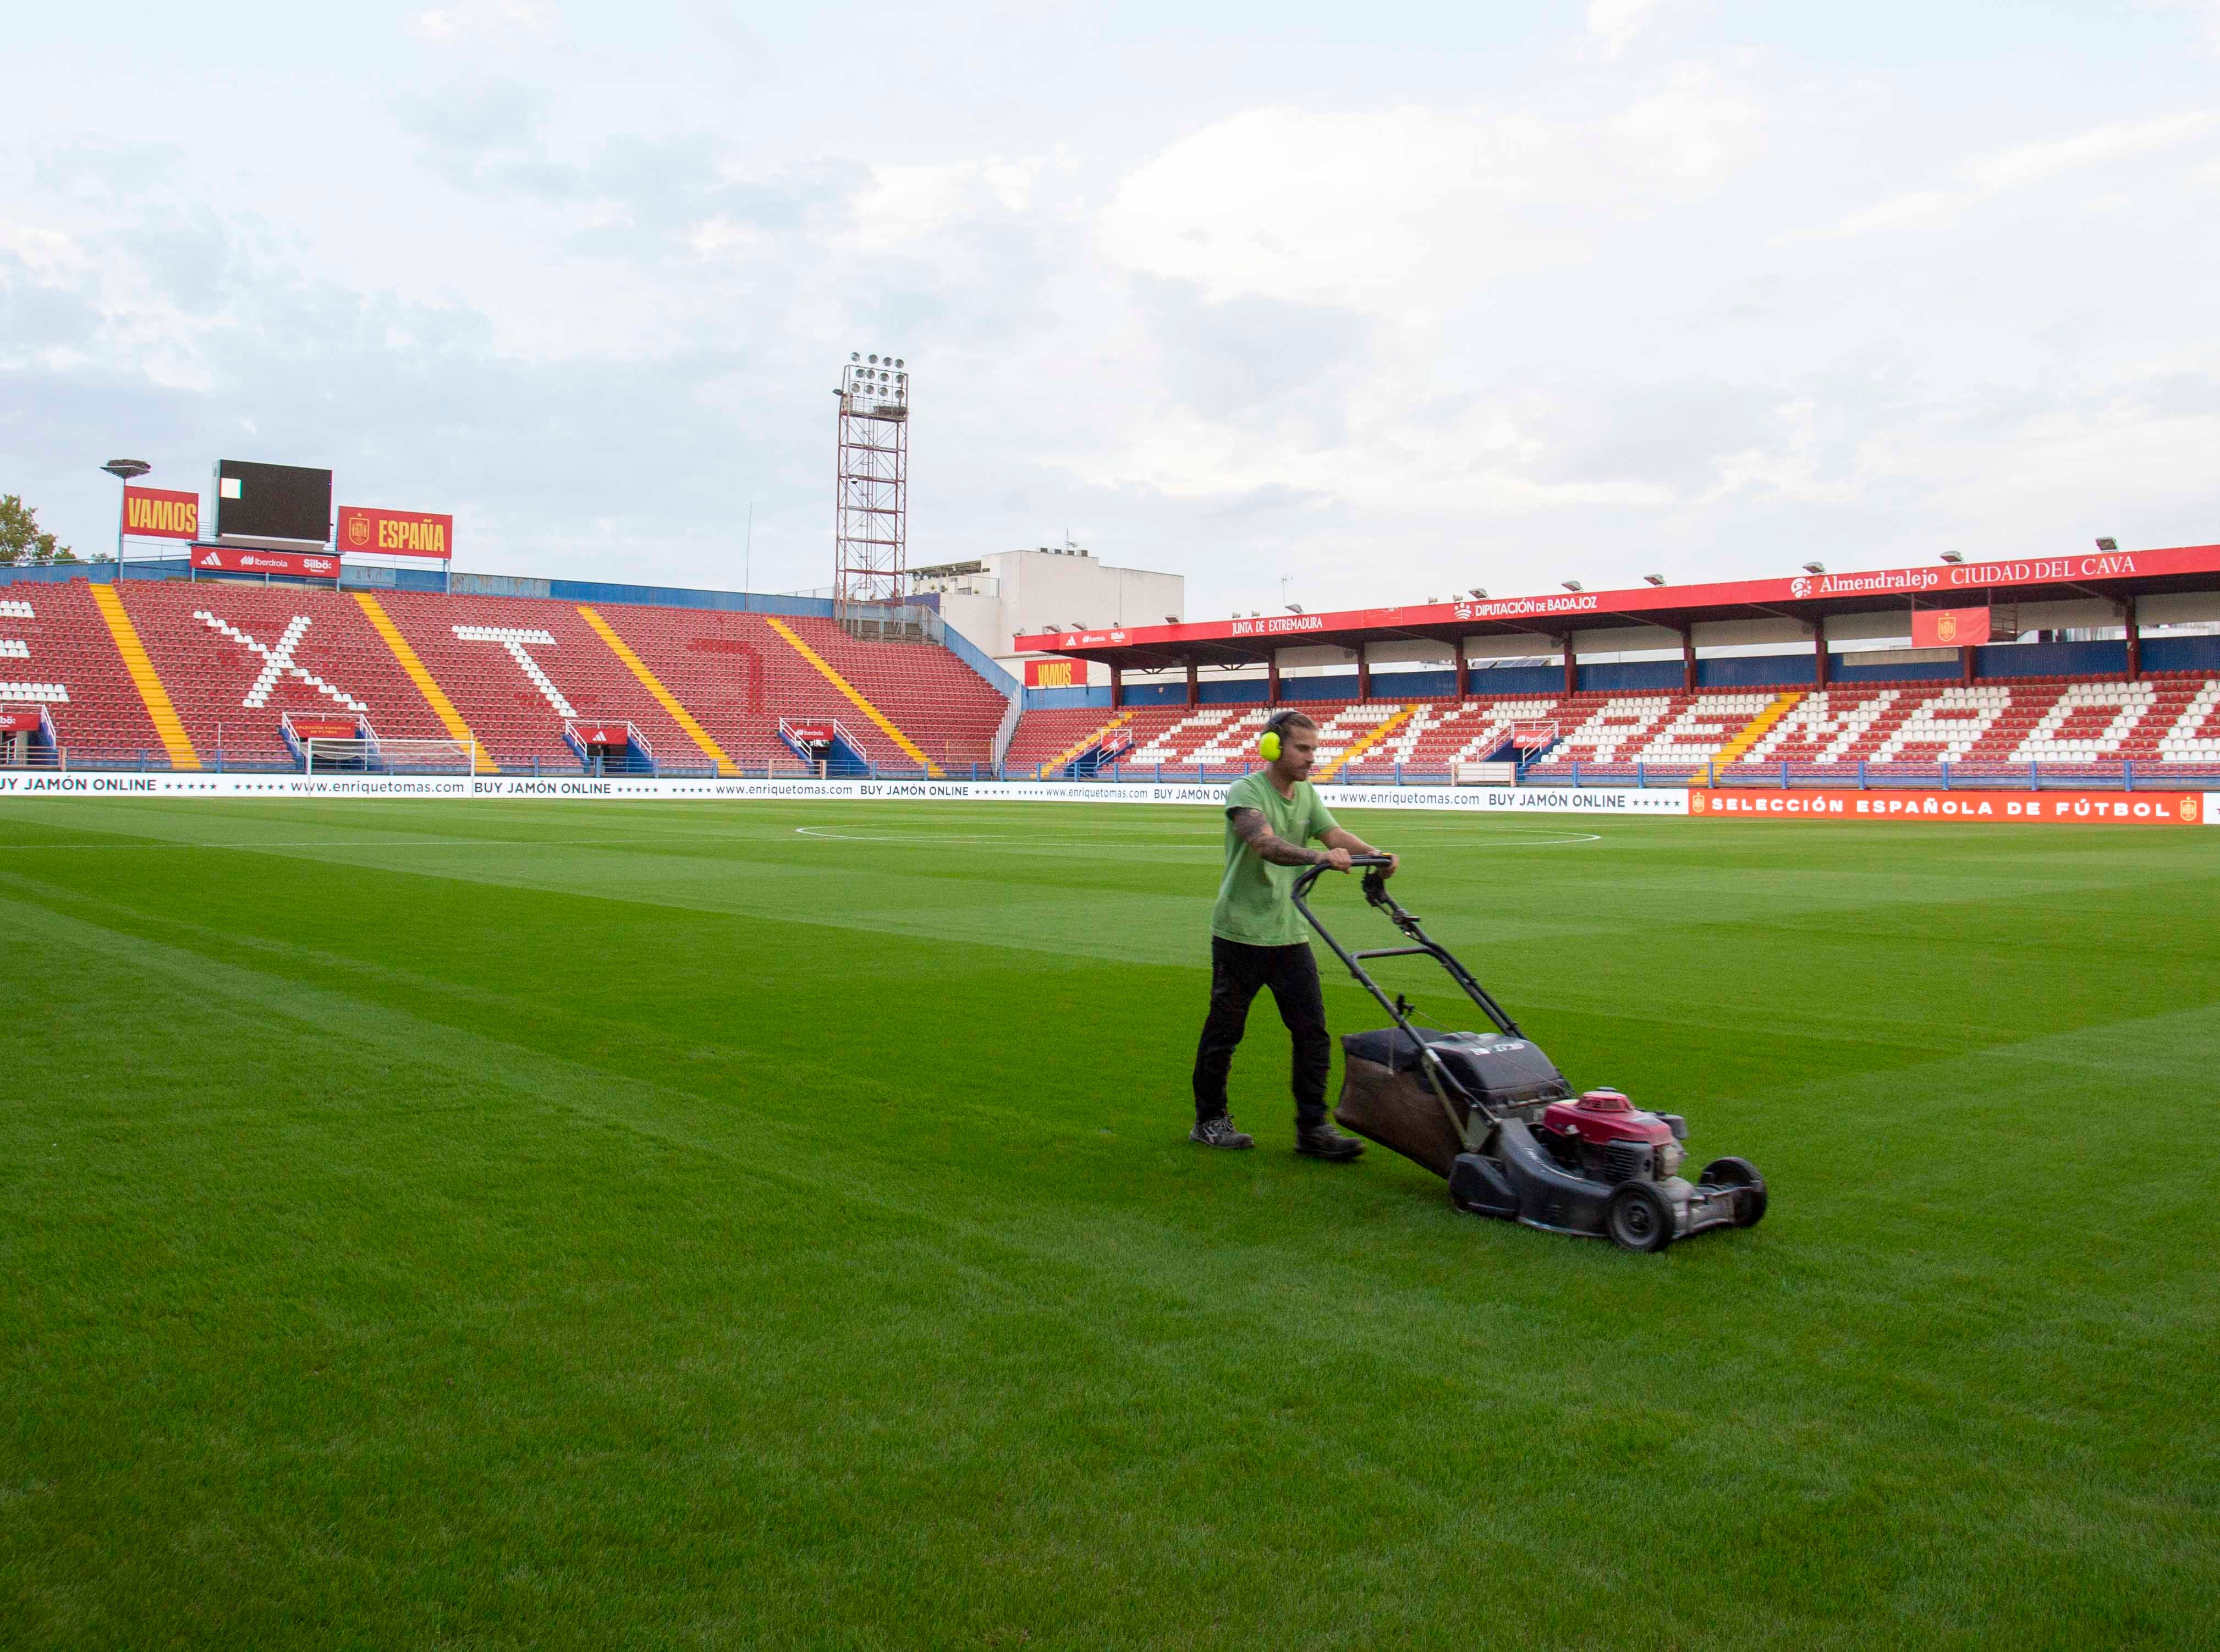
x=478, y=17
x=2118, y=141
x=1612, y=24
x=908, y=206
x=2024, y=165
x=1394, y=209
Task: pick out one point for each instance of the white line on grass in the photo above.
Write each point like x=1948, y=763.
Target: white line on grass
x=314, y=842
x=1509, y=837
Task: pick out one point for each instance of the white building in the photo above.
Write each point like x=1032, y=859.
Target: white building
x=997, y=598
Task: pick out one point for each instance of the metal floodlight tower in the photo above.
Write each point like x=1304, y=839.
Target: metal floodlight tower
x=870, y=535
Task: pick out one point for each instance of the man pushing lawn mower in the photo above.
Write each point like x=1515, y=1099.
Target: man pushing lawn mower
x=1489, y=1111
x=1256, y=939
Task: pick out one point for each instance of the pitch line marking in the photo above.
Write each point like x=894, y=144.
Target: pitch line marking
x=1091, y=846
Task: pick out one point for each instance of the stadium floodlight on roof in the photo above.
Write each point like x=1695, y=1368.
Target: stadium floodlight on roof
x=1815, y=567
x=1295, y=608
x=1653, y=579
x=1954, y=556
x=2108, y=543
x=1570, y=584
x=1480, y=590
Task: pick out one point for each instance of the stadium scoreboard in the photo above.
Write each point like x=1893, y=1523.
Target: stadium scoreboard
x=288, y=505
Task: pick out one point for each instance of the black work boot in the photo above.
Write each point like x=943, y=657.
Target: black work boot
x=1322, y=1141
x=1219, y=1132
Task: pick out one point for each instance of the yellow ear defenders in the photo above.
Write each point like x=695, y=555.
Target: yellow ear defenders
x=1269, y=747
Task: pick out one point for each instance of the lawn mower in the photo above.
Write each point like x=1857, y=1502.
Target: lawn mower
x=1490, y=1114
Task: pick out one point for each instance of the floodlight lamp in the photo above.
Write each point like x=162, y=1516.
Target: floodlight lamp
x=1815, y=567
x=1653, y=579
x=855, y=355
x=125, y=470
x=1954, y=556
x=2108, y=543
x=1570, y=584
x=1295, y=608
x=1171, y=619
x=898, y=361
x=1480, y=590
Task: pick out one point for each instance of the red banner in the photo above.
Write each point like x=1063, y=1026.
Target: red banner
x=1055, y=674
x=1982, y=808
x=602, y=734
x=367, y=531
x=812, y=734
x=227, y=560
x=20, y=722
x=1943, y=579
x=158, y=514
x=324, y=728
x=1949, y=627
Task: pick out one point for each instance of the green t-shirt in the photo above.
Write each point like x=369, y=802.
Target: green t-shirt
x=1253, y=906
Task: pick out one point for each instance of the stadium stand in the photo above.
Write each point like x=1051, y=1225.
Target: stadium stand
x=948, y=711
x=61, y=655
x=517, y=668
x=224, y=661
x=156, y=671
x=1725, y=736
x=235, y=659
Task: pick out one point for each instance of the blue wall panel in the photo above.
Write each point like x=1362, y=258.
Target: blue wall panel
x=1510, y=680
x=2182, y=654
x=1624, y=676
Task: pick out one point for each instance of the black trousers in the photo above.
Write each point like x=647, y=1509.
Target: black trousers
x=1238, y=973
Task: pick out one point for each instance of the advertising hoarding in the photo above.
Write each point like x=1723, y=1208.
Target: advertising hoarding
x=161, y=513
x=1979, y=808
x=370, y=530
x=1949, y=627
x=223, y=558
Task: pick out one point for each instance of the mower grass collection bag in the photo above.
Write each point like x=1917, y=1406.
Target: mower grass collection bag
x=1385, y=1097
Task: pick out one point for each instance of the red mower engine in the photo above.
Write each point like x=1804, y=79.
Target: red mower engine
x=1607, y=1139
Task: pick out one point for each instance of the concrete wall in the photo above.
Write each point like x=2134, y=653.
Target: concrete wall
x=1044, y=590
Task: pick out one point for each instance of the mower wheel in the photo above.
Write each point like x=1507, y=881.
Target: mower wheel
x=1638, y=1218
x=1750, y=1206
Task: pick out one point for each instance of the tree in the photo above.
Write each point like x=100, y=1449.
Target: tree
x=21, y=541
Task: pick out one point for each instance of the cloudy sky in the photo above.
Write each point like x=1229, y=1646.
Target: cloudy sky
x=1390, y=299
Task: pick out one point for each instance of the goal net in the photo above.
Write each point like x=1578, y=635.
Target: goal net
x=330, y=756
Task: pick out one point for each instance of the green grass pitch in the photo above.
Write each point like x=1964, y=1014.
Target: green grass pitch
x=705, y=1225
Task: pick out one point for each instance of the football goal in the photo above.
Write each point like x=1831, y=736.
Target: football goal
x=388, y=756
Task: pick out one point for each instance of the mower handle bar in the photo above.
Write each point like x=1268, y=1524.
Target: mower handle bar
x=1375, y=892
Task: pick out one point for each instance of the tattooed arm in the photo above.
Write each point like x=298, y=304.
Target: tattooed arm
x=1269, y=845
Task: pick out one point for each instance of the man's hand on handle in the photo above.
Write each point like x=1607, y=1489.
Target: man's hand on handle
x=1341, y=843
